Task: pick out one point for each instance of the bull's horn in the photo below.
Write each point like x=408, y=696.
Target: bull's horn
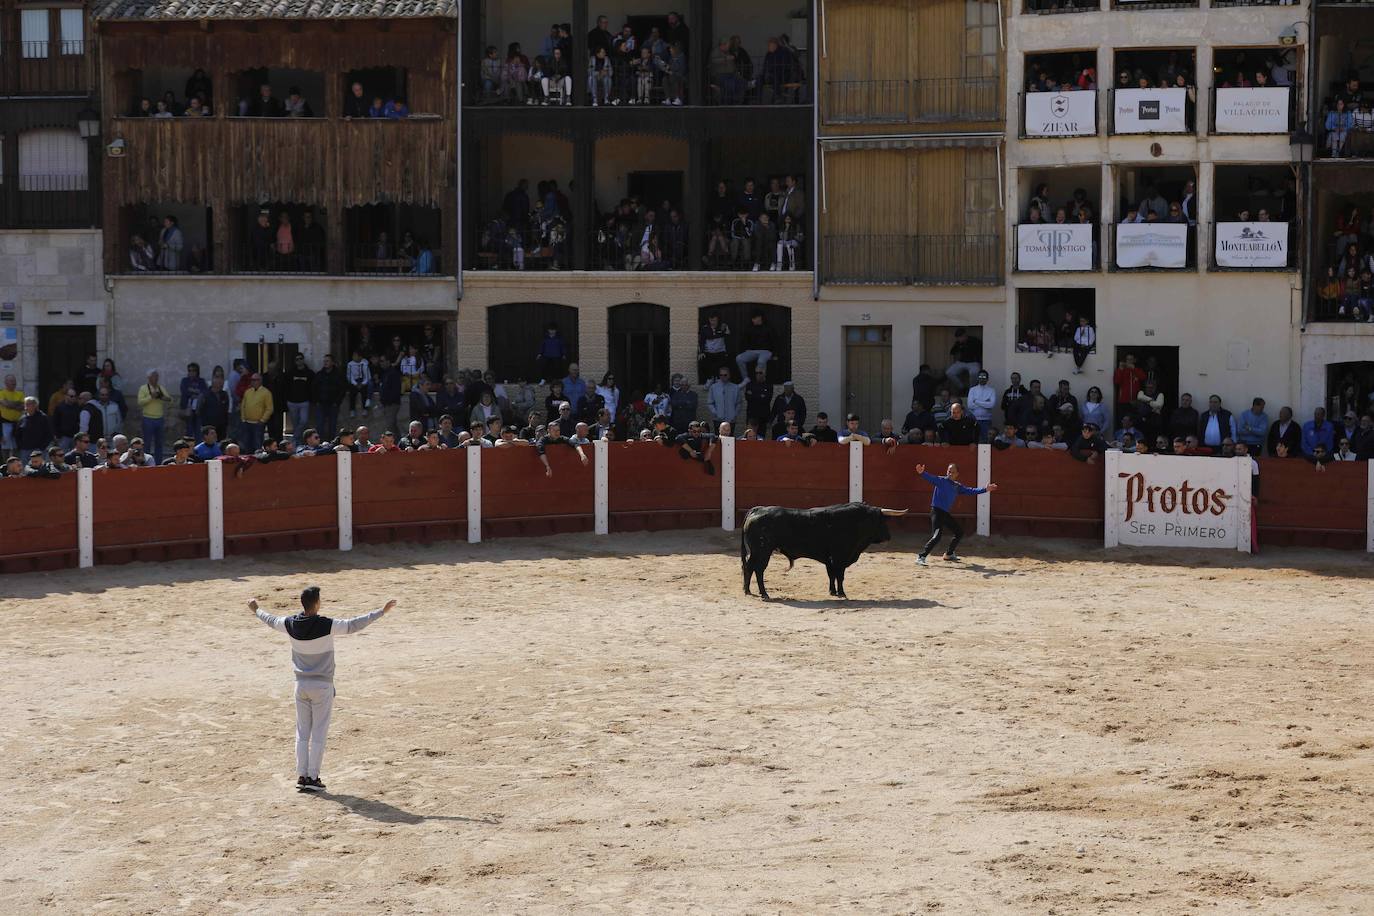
x=895, y=513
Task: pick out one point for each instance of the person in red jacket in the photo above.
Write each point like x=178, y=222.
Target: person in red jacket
x=1128, y=378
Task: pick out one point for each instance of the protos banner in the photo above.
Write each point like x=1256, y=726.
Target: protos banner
x=1252, y=245
x=1150, y=111
x=1177, y=501
x=1152, y=245
x=1257, y=110
x=1061, y=114
x=1054, y=246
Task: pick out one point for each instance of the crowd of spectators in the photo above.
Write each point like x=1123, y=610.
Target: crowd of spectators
x=645, y=68
x=1348, y=120
x=1155, y=207
x=196, y=103
x=749, y=229
x=1347, y=290
x=1043, y=207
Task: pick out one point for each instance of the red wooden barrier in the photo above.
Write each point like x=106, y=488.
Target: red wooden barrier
x=410, y=497
x=37, y=524
x=653, y=489
x=771, y=474
x=1301, y=506
x=518, y=500
x=1044, y=493
x=890, y=481
x=286, y=505
x=150, y=515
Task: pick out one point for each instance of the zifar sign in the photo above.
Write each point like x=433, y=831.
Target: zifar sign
x=1177, y=501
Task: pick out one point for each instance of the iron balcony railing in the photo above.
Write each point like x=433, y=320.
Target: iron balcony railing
x=1051, y=7
x=49, y=202
x=1250, y=112
x=1266, y=247
x=54, y=67
x=1153, y=4
x=912, y=260
x=1190, y=251
x=913, y=101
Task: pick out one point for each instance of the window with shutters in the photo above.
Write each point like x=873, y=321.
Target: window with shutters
x=73, y=25
x=52, y=160
x=33, y=34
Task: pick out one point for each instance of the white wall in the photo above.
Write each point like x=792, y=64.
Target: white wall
x=1322, y=345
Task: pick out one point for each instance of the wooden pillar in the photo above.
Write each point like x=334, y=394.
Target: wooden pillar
x=698, y=187
x=336, y=238
x=701, y=23
x=581, y=225
x=222, y=233
x=578, y=65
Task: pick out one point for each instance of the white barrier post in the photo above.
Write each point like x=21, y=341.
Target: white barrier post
x=474, y=456
x=601, y=452
x=1110, y=536
x=1369, y=512
x=727, y=484
x=856, y=472
x=85, y=517
x=345, y=488
x=1243, y=506
x=984, y=499
x=214, y=506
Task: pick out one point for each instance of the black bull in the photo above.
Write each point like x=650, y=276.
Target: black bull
x=832, y=535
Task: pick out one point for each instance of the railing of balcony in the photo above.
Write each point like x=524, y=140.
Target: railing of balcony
x=1058, y=115
x=1153, y=247
x=268, y=258
x=1153, y=111
x=1335, y=299
x=781, y=82
x=912, y=101
x=48, y=202
x=1153, y=4
x=1053, y=7
x=1266, y=246
x=373, y=260
x=1254, y=110
x=907, y=260
x=1224, y=3
x=1058, y=247
x=44, y=67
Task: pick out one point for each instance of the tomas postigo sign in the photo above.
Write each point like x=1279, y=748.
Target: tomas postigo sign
x=1177, y=501
x=1054, y=246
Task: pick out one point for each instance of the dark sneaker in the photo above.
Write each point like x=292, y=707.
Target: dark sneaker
x=317, y=784
x=921, y=559
x=302, y=782
x=951, y=558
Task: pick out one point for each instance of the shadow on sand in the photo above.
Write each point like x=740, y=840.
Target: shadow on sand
x=384, y=813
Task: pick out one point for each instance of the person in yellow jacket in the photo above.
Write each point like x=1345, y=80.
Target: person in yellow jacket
x=255, y=409
x=153, y=400
x=11, y=409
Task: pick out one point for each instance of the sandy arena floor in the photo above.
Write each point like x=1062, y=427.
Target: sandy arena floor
x=582, y=724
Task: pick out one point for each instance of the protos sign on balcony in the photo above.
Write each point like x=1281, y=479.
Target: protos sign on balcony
x=1054, y=246
x=1174, y=501
x=1252, y=245
x=1150, y=111
x=1152, y=245
x=1256, y=110
x=1061, y=114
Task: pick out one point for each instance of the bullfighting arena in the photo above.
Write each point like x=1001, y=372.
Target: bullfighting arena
x=584, y=724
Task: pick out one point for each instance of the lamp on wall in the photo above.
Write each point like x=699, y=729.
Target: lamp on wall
x=1288, y=35
x=88, y=123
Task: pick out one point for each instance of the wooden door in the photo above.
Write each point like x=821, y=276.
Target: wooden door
x=62, y=351
x=867, y=375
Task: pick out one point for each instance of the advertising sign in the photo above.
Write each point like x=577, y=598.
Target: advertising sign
x=1152, y=245
x=1257, y=110
x=1150, y=111
x=1252, y=245
x=1061, y=114
x=1054, y=246
x=1177, y=501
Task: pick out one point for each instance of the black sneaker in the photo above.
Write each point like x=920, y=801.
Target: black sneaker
x=304, y=784
x=317, y=784
x=951, y=558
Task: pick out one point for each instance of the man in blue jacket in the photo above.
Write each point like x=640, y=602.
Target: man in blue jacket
x=947, y=488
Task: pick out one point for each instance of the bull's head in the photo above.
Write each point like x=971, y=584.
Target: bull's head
x=884, y=535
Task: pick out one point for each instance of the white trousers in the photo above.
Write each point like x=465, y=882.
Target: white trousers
x=314, y=704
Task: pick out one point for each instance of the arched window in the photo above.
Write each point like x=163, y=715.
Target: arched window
x=52, y=159
x=638, y=346
x=515, y=333
x=737, y=316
